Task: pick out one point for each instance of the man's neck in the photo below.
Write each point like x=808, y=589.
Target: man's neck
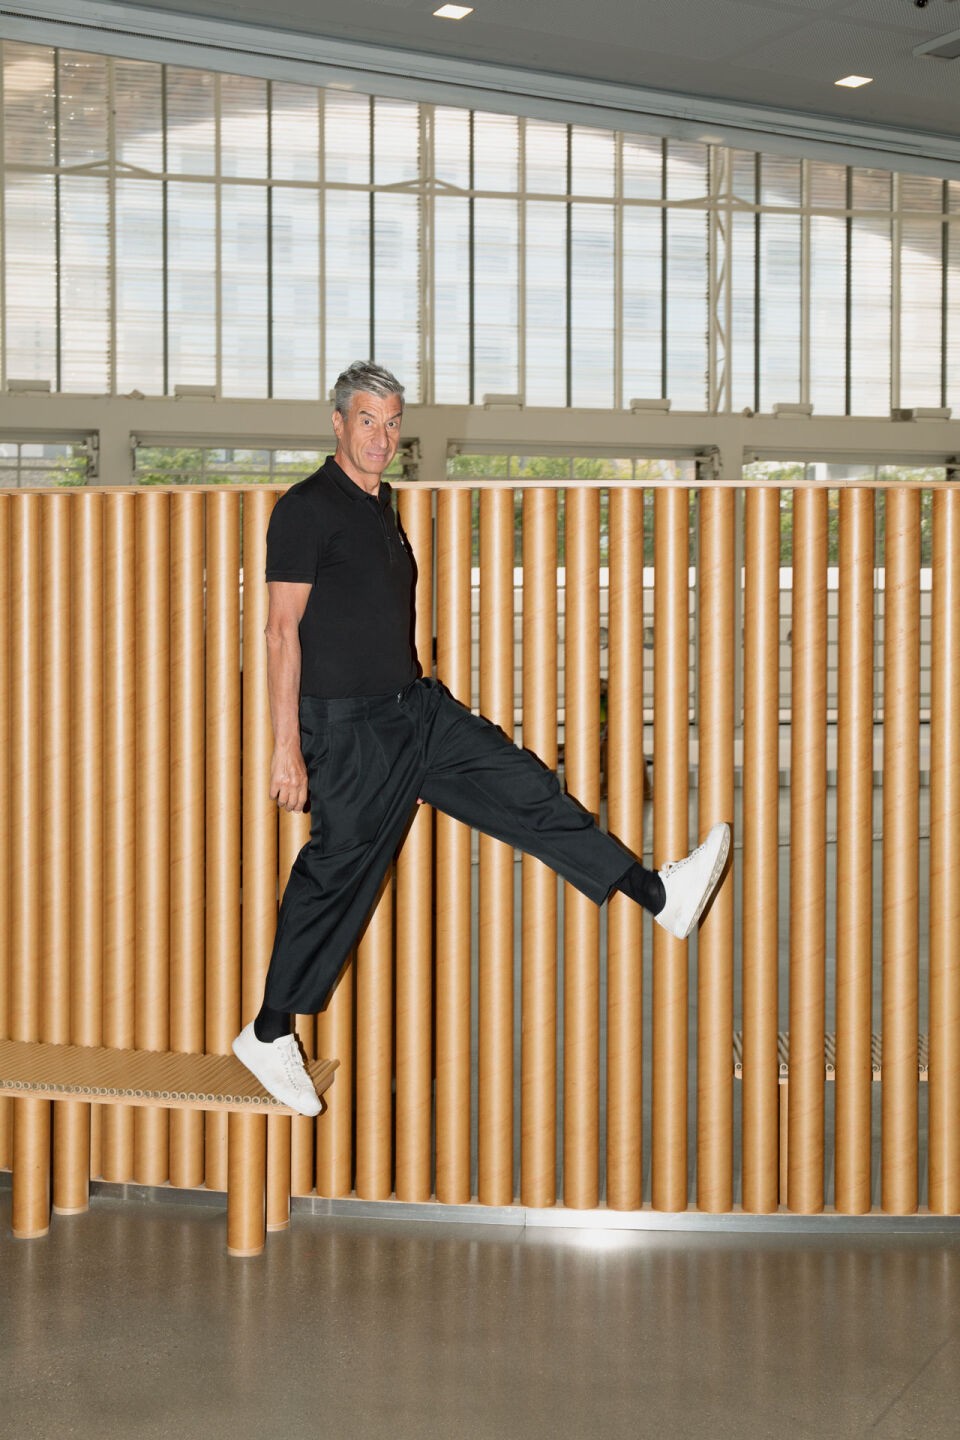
x=367, y=481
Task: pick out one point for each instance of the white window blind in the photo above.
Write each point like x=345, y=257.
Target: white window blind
x=165, y=226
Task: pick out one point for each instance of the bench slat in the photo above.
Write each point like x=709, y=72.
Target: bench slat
x=141, y=1077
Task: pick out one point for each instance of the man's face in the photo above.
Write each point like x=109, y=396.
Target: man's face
x=368, y=435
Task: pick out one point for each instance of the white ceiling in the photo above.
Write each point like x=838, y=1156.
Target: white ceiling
x=782, y=53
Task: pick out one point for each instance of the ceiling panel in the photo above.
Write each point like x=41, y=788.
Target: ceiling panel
x=780, y=53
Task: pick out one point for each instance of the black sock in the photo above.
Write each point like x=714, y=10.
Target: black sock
x=644, y=886
x=271, y=1024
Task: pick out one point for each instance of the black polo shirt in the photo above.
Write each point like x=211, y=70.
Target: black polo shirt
x=356, y=634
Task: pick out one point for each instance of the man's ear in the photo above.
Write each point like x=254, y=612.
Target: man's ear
x=337, y=424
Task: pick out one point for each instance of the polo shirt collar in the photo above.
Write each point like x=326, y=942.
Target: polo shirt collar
x=351, y=488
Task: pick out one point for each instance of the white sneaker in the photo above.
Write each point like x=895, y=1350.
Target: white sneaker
x=689, y=883
x=278, y=1065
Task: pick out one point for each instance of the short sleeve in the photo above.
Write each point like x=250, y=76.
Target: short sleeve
x=293, y=539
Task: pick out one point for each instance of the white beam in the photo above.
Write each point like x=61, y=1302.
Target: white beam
x=291, y=424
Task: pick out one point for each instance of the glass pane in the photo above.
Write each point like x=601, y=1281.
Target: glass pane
x=191, y=285
x=687, y=177
x=451, y=146
x=687, y=309
x=493, y=467
x=346, y=312
x=745, y=176
x=828, y=298
x=139, y=279
x=496, y=150
x=29, y=111
x=921, y=276
x=546, y=281
x=296, y=294
x=496, y=298
x=138, y=114
x=167, y=465
x=84, y=284
x=546, y=152
x=953, y=320
x=779, y=180
x=921, y=192
x=243, y=126
x=294, y=132
x=643, y=170
x=396, y=141
x=642, y=310
x=591, y=312
x=828, y=185
x=592, y=161
x=243, y=278
x=451, y=271
x=191, y=131
x=870, y=321
x=872, y=189
x=397, y=290
x=83, y=108
x=292, y=465
x=743, y=358
x=779, y=310
x=346, y=137
x=31, y=296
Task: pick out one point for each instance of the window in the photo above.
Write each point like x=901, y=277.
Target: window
x=25, y=464
x=167, y=226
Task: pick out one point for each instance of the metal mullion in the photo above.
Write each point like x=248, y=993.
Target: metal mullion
x=165, y=237
x=471, y=268
x=372, y=236
x=218, y=232
x=56, y=221
x=322, y=245
x=3, y=256
x=569, y=210
x=664, y=273
x=522, y=259
x=112, y=252
x=848, y=303
x=425, y=269
x=618, y=395
x=269, y=239
x=896, y=239
x=944, y=296
x=728, y=271
x=805, y=282
x=717, y=279
x=757, y=284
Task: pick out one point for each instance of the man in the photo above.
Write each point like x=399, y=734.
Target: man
x=357, y=727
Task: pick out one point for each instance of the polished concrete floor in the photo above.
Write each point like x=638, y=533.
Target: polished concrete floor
x=131, y=1321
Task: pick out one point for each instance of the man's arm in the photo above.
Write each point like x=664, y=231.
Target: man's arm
x=288, y=773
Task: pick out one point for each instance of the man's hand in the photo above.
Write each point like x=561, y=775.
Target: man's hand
x=288, y=779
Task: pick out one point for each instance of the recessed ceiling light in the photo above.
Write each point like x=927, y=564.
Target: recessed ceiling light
x=853, y=82
x=454, y=12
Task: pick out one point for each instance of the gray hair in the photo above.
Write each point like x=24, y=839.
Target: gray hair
x=364, y=377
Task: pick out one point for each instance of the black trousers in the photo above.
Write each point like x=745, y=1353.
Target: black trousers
x=368, y=761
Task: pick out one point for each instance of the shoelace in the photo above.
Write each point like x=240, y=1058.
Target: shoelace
x=678, y=864
x=292, y=1062
x=673, y=865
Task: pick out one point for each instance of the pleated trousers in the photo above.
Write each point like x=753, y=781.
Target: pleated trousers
x=368, y=761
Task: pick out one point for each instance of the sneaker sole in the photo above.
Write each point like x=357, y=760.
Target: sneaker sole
x=710, y=886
